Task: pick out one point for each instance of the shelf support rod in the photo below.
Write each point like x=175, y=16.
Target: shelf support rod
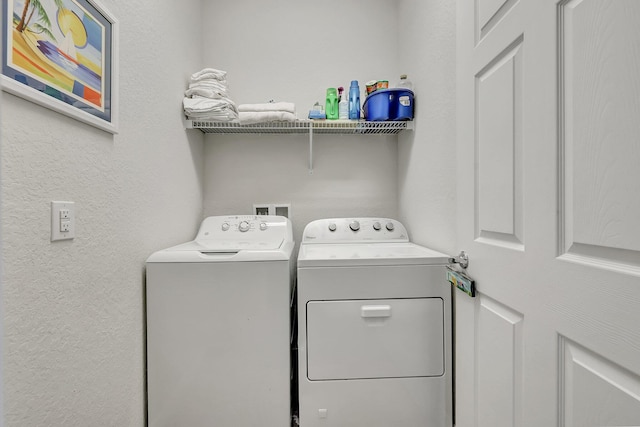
x=310, y=148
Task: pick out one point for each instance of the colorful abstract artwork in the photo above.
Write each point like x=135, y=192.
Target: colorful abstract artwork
x=64, y=50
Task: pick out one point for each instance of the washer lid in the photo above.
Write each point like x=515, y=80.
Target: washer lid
x=343, y=255
x=228, y=246
x=234, y=238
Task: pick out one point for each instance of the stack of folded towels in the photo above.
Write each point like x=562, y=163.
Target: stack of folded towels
x=268, y=112
x=207, y=97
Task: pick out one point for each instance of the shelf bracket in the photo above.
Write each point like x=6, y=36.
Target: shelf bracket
x=311, y=149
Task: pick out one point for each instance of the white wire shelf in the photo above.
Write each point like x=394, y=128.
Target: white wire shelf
x=336, y=127
x=309, y=127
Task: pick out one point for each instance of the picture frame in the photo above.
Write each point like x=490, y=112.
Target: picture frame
x=63, y=55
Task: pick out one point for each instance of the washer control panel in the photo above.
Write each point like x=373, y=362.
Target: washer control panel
x=352, y=230
x=243, y=227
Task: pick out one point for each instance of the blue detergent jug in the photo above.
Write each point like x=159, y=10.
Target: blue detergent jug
x=354, y=101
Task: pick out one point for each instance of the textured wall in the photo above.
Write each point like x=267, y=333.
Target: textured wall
x=73, y=310
x=426, y=157
x=289, y=50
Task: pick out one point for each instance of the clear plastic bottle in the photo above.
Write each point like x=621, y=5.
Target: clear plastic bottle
x=404, y=82
x=343, y=107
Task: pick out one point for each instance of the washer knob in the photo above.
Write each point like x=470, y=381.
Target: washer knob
x=332, y=227
x=390, y=226
x=377, y=226
x=225, y=226
x=354, y=226
x=244, y=226
x=263, y=226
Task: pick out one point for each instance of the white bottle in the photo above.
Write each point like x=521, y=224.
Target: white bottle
x=343, y=107
x=404, y=82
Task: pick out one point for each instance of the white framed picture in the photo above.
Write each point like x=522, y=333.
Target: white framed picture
x=62, y=55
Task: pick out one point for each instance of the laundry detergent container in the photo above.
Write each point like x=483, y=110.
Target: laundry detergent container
x=389, y=104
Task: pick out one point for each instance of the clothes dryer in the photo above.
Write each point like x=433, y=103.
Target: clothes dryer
x=374, y=318
x=218, y=349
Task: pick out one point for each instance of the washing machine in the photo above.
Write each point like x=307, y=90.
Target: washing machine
x=374, y=319
x=218, y=326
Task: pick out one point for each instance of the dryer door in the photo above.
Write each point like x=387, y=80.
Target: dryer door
x=359, y=339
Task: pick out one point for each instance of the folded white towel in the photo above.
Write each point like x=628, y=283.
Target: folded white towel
x=203, y=103
x=250, y=117
x=210, y=109
x=209, y=73
x=209, y=76
x=205, y=92
x=270, y=106
x=216, y=116
x=210, y=83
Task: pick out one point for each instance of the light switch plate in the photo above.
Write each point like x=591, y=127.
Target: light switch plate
x=63, y=221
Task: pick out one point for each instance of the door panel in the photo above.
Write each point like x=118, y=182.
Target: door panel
x=365, y=339
x=499, y=353
x=595, y=391
x=490, y=12
x=499, y=151
x=600, y=129
x=548, y=102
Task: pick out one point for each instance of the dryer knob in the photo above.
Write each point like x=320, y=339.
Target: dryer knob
x=390, y=226
x=244, y=226
x=354, y=226
x=332, y=227
x=377, y=226
x=263, y=226
x=225, y=226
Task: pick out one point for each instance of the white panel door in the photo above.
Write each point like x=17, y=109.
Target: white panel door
x=549, y=213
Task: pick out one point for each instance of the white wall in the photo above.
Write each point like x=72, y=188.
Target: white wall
x=426, y=157
x=73, y=311
x=289, y=50
x=74, y=320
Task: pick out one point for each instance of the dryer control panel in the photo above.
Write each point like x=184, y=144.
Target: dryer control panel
x=355, y=230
